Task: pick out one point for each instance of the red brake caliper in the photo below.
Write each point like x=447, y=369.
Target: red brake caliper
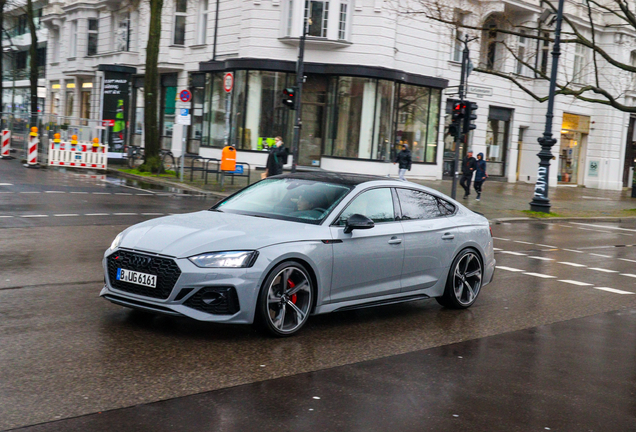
x=293, y=297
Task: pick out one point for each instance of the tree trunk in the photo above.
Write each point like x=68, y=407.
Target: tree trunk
x=33, y=64
x=151, y=81
x=2, y=3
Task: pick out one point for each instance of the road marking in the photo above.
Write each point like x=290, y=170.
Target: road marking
x=514, y=253
x=548, y=246
x=596, y=198
x=6, y=184
x=612, y=290
x=101, y=193
x=66, y=215
x=500, y=238
x=29, y=192
x=602, y=256
x=96, y=214
x=146, y=194
x=80, y=193
x=124, y=214
x=603, y=270
x=497, y=249
x=572, y=250
x=604, y=227
x=34, y=216
x=573, y=282
x=595, y=230
x=541, y=258
x=628, y=260
x=509, y=269
x=122, y=193
x=628, y=275
x=523, y=242
x=7, y=192
x=6, y=216
x=572, y=264
x=60, y=192
x=540, y=275
x=153, y=214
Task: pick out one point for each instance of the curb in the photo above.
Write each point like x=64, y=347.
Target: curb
x=167, y=183
x=565, y=219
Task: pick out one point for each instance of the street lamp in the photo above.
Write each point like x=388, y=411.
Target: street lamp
x=540, y=201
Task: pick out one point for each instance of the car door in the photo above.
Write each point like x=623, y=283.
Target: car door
x=368, y=263
x=429, y=238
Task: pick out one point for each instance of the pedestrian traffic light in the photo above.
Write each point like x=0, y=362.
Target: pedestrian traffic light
x=470, y=114
x=289, y=97
x=458, y=112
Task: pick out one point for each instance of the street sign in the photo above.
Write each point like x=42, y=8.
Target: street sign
x=184, y=105
x=185, y=95
x=184, y=117
x=238, y=169
x=108, y=123
x=228, y=82
x=479, y=90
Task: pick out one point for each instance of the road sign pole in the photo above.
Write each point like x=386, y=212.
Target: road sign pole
x=458, y=133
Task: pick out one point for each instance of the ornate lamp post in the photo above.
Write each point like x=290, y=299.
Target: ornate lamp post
x=540, y=201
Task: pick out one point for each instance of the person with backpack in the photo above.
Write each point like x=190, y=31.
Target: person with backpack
x=480, y=174
x=277, y=158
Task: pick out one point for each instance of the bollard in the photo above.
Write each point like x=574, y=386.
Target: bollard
x=32, y=159
x=6, y=145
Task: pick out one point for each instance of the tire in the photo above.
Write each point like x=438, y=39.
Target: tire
x=464, y=281
x=284, y=315
x=134, y=160
x=167, y=163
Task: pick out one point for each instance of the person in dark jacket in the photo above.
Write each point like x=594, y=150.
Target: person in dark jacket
x=468, y=168
x=480, y=174
x=403, y=158
x=277, y=158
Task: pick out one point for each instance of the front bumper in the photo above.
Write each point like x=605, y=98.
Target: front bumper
x=215, y=295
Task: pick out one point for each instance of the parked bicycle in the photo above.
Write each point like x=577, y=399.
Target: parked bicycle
x=135, y=156
x=169, y=165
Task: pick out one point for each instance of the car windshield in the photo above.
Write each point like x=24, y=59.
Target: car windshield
x=298, y=200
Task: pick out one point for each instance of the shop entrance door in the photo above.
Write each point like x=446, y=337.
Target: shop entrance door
x=630, y=153
x=314, y=100
x=574, y=131
x=497, y=138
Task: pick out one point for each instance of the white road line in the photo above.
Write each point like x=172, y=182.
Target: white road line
x=628, y=275
x=34, y=216
x=146, y=194
x=523, y=242
x=153, y=214
x=29, y=192
x=499, y=238
x=122, y=193
x=612, y=290
x=628, y=260
x=572, y=250
x=572, y=264
x=509, y=269
x=124, y=214
x=96, y=214
x=548, y=246
x=59, y=192
x=602, y=256
x=79, y=193
x=604, y=227
x=541, y=258
x=540, y=275
x=603, y=270
x=7, y=192
x=66, y=215
x=6, y=184
x=565, y=226
x=514, y=253
x=5, y=217
x=101, y=193
x=497, y=249
x=573, y=282
x=595, y=230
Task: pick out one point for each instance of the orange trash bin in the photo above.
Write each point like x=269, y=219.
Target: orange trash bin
x=228, y=159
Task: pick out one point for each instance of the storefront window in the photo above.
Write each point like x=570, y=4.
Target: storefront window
x=266, y=117
x=383, y=120
x=168, y=115
x=413, y=121
x=237, y=120
x=355, y=109
x=214, y=111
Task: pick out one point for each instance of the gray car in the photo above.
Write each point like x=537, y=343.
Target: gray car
x=300, y=244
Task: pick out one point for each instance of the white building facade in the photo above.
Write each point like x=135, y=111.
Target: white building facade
x=375, y=80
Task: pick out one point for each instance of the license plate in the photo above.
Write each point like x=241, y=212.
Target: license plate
x=137, y=278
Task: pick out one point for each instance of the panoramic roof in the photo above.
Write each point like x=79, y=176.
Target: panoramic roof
x=332, y=177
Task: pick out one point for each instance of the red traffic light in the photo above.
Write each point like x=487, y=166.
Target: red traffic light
x=289, y=97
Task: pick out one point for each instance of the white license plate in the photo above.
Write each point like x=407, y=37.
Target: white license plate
x=137, y=278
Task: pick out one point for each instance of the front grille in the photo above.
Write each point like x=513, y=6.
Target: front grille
x=166, y=269
x=215, y=300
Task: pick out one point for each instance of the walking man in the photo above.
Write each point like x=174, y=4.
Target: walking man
x=403, y=158
x=468, y=167
x=480, y=174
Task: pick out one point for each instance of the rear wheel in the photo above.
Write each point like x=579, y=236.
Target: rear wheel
x=286, y=299
x=464, y=281
x=134, y=160
x=167, y=163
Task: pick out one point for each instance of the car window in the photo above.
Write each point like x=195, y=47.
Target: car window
x=418, y=205
x=376, y=204
x=445, y=207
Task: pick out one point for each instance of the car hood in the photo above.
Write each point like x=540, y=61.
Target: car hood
x=190, y=234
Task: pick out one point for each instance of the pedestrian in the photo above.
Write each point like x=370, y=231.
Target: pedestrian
x=403, y=158
x=468, y=167
x=276, y=159
x=480, y=174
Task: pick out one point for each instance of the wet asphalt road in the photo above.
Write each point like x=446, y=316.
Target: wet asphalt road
x=550, y=344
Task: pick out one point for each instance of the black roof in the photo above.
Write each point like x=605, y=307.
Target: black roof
x=332, y=177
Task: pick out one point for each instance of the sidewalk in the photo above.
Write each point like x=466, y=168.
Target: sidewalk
x=499, y=200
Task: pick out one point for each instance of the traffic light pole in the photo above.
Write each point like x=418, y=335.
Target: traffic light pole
x=300, y=79
x=458, y=132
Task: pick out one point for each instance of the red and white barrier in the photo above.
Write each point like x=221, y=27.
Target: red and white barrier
x=6, y=144
x=34, y=140
x=78, y=154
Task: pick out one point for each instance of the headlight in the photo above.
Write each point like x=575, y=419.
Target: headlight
x=116, y=242
x=234, y=259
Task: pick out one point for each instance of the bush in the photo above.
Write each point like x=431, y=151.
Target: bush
x=151, y=165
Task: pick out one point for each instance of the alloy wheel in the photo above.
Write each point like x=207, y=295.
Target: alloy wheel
x=289, y=299
x=467, y=279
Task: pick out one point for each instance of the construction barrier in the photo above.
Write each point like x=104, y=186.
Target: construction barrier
x=32, y=156
x=6, y=144
x=78, y=154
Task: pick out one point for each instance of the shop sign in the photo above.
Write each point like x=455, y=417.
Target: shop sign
x=593, y=169
x=116, y=95
x=573, y=122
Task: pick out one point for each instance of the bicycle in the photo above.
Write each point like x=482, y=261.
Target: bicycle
x=168, y=163
x=135, y=156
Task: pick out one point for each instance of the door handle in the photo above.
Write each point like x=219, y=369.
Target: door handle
x=448, y=236
x=395, y=240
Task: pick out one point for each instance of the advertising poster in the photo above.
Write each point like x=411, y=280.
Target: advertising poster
x=116, y=96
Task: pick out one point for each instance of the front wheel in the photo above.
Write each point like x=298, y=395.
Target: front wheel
x=464, y=281
x=286, y=299
x=167, y=164
x=134, y=160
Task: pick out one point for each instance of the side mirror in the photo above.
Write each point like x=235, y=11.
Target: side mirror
x=358, y=221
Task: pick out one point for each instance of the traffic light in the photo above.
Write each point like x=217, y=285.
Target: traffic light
x=458, y=112
x=470, y=114
x=289, y=97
